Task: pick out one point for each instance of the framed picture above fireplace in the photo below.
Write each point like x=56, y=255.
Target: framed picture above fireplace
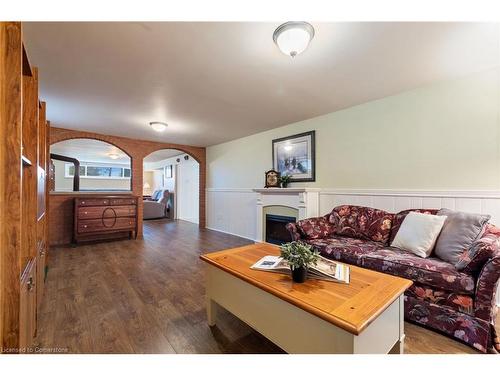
x=295, y=156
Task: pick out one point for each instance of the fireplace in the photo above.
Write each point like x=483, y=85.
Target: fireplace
x=276, y=232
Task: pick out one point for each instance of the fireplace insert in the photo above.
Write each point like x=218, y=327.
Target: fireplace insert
x=276, y=232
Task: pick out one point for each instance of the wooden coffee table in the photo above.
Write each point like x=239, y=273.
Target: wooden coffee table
x=364, y=316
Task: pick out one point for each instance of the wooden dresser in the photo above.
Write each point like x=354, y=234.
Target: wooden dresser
x=104, y=217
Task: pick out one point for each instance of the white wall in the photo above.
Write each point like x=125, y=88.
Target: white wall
x=443, y=136
x=436, y=146
x=167, y=183
x=188, y=190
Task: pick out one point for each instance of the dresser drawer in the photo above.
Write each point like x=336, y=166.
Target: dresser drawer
x=122, y=201
x=93, y=202
x=106, y=212
x=106, y=224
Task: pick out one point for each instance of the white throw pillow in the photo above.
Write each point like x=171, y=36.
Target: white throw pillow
x=418, y=233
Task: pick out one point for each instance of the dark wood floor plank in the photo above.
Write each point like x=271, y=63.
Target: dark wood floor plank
x=148, y=296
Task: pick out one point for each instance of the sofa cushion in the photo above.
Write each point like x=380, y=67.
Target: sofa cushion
x=344, y=249
x=362, y=222
x=317, y=227
x=433, y=272
x=460, y=302
x=459, y=231
x=400, y=216
x=418, y=233
x=481, y=250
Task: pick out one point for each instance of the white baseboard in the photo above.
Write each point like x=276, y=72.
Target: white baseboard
x=232, y=234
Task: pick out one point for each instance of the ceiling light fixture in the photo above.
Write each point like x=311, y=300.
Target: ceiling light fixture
x=292, y=38
x=158, y=126
x=114, y=156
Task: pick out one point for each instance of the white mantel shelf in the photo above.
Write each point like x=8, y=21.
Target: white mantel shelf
x=286, y=190
x=304, y=200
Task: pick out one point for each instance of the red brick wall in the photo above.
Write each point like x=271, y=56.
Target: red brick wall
x=60, y=206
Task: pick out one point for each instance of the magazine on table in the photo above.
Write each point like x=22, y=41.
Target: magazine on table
x=324, y=269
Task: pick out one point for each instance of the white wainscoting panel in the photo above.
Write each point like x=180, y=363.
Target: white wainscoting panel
x=232, y=211
x=483, y=202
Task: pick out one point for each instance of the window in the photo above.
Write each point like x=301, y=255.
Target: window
x=71, y=170
x=97, y=171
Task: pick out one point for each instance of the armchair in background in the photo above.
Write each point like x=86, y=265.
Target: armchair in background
x=158, y=206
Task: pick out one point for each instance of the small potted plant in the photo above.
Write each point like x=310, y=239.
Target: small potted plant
x=299, y=256
x=285, y=180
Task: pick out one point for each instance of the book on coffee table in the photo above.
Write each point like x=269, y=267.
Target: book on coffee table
x=324, y=269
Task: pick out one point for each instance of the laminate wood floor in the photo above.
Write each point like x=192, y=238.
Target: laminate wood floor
x=147, y=296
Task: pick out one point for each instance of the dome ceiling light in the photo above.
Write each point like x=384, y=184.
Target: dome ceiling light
x=293, y=37
x=158, y=126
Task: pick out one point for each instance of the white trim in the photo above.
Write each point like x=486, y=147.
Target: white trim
x=90, y=192
x=484, y=194
x=232, y=234
x=286, y=190
x=231, y=190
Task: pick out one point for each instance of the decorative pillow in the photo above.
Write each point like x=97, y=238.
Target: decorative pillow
x=459, y=231
x=418, y=233
x=482, y=250
x=362, y=222
x=400, y=216
x=317, y=227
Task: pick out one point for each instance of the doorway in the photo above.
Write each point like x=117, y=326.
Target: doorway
x=171, y=178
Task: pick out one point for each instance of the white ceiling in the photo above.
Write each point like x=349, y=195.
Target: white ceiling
x=213, y=82
x=89, y=150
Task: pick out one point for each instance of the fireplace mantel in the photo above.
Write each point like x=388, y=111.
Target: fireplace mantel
x=305, y=200
x=286, y=190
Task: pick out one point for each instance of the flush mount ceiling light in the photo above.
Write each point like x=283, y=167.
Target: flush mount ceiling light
x=292, y=38
x=158, y=126
x=113, y=156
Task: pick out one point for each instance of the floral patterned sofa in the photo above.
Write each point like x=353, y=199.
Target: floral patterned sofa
x=457, y=301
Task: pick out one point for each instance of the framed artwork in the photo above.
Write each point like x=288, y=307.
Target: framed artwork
x=295, y=156
x=168, y=171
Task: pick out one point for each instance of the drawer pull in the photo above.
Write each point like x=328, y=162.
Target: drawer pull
x=85, y=226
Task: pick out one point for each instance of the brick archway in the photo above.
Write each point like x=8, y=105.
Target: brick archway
x=137, y=150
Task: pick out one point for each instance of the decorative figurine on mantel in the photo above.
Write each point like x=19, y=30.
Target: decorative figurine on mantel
x=272, y=179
